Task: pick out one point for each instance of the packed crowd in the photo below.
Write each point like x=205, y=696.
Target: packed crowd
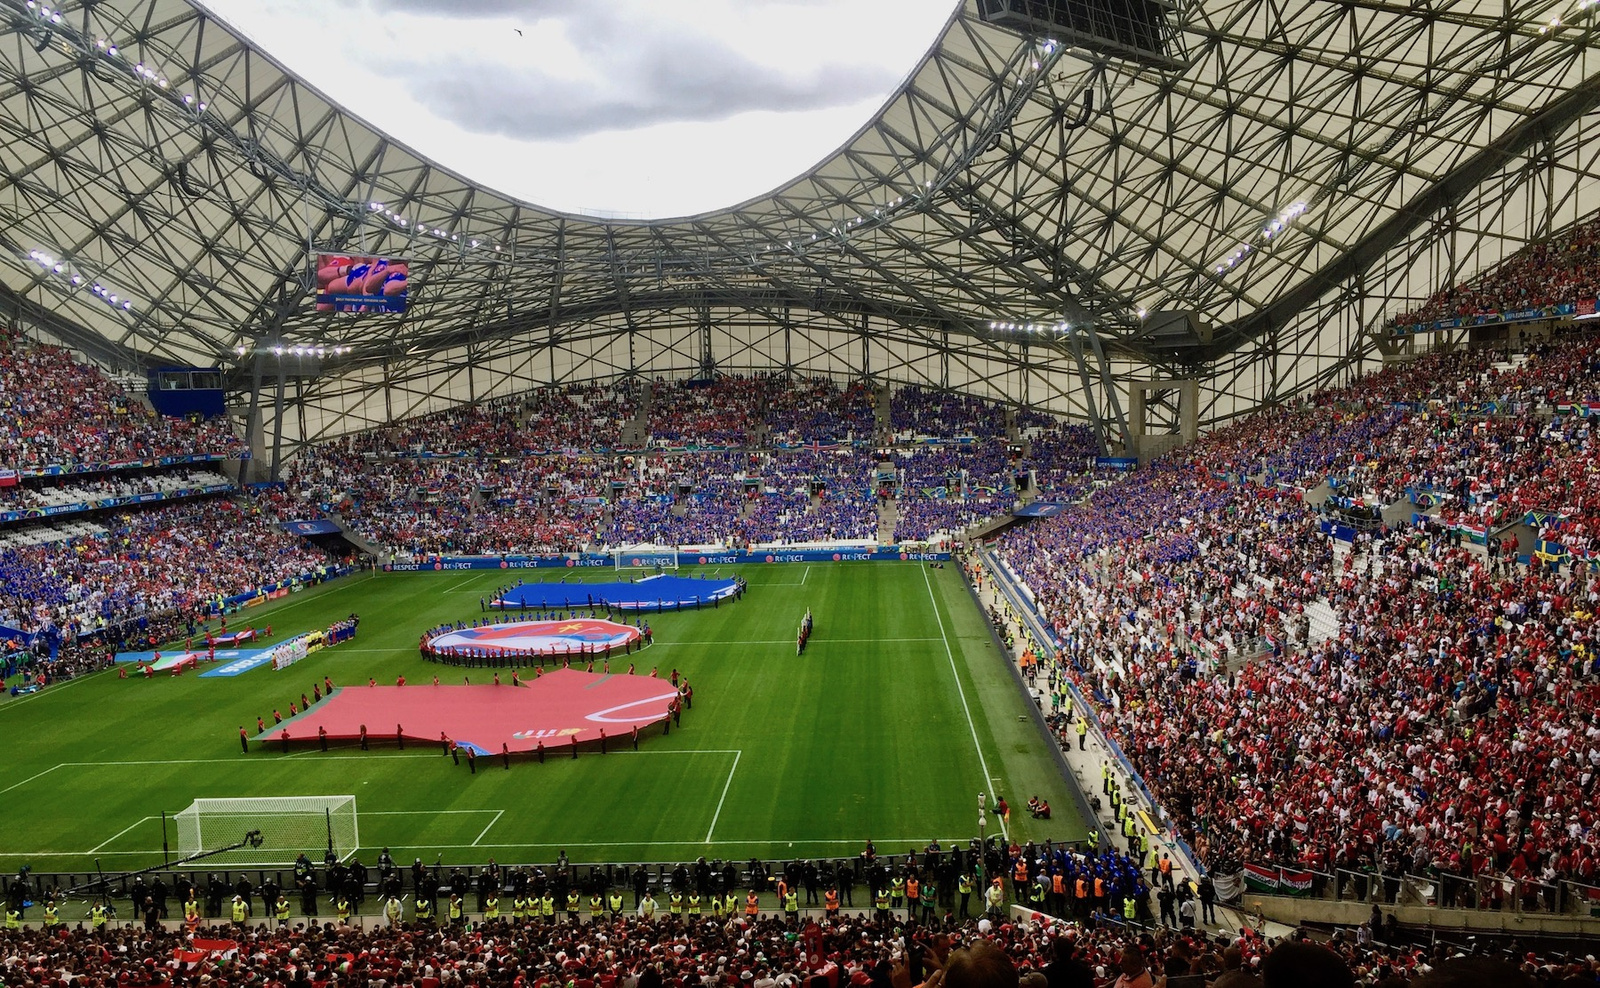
x=1562, y=269
x=57, y=411
x=175, y=557
x=818, y=410
x=586, y=416
x=765, y=951
x=1443, y=723
x=501, y=490
x=718, y=412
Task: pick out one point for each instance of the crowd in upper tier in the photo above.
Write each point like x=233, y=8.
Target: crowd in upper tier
x=511, y=477
x=58, y=411
x=1564, y=269
x=1446, y=717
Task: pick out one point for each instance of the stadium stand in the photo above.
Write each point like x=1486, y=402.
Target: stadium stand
x=56, y=411
x=98, y=553
x=799, y=476
x=764, y=952
x=1560, y=269
x=1439, y=718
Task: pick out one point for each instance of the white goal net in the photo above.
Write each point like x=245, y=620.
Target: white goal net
x=646, y=557
x=270, y=830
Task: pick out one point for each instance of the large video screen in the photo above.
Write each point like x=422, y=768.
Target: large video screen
x=352, y=283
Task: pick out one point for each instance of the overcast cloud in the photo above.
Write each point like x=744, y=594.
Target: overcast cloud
x=558, y=101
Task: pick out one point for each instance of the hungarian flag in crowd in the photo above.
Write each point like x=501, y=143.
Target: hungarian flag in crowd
x=9, y=478
x=220, y=951
x=1295, y=882
x=1475, y=533
x=1260, y=879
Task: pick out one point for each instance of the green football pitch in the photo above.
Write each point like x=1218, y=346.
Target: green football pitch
x=897, y=716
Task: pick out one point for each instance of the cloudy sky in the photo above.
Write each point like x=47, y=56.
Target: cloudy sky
x=626, y=107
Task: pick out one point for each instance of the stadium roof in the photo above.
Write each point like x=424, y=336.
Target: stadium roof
x=1291, y=154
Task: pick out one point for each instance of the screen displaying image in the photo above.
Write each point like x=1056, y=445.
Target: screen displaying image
x=351, y=283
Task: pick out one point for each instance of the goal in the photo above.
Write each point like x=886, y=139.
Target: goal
x=645, y=557
x=271, y=830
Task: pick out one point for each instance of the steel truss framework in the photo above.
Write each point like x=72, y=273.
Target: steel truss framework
x=1009, y=181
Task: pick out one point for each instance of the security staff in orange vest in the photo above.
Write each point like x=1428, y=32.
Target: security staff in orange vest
x=1080, y=893
x=913, y=893
x=1100, y=899
x=1019, y=878
x=830, y=902
x=752, y=905
x=1058, y=893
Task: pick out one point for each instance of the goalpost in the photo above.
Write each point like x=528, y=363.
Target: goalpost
x=288, y=825
x=645, y=557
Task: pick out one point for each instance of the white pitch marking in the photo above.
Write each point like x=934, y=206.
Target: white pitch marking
x=427, y=812
x=96, y=850
x=18, y=785
x=725, y=786
x=961, y=690
x=491, y=823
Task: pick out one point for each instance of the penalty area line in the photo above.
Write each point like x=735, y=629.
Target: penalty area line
x=40, y=775
x=136, y=823
x=713, y=828
x=497, y=815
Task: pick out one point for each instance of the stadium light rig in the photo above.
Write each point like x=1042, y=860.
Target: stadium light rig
x=422, y=229
x=70, y=277
x=293, y=350
x=1055, y=329
x=109, y=50
x=1272, y=228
